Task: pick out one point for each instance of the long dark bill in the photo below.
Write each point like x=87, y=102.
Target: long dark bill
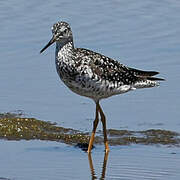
x=48, y=44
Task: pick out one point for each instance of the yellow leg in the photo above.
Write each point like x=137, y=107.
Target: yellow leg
x=95, y=123
x=103, y=120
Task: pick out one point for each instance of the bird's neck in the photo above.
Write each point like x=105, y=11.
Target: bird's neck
x=64, y=52
x=64, y=45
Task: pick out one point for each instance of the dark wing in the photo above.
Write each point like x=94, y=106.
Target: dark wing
x=112, y=70
x=106, y=68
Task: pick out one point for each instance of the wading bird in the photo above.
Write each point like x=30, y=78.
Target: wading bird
x=94, y=75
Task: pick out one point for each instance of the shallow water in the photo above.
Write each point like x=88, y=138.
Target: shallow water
x=51, y=160
x=144, y=35
x=141, y=34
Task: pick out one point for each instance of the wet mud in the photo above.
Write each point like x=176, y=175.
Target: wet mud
x=13, y=126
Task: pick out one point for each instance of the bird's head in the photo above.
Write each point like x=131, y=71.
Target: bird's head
x=61, y=32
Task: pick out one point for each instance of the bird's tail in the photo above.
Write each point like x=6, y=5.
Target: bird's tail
x=146, y=74
x=146, y=79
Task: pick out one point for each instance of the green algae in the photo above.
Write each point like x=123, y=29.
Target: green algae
x=15, y=127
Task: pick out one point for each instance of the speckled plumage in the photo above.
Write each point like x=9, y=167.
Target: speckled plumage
x=93, y=75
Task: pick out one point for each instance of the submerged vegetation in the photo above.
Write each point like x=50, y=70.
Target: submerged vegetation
x=15, y=127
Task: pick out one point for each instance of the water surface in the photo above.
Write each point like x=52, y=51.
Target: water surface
x=141, y=34
x=51, y=160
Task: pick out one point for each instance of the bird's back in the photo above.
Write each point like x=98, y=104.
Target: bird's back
x=97, y=76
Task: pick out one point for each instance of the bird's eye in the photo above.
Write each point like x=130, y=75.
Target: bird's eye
x=65, y=31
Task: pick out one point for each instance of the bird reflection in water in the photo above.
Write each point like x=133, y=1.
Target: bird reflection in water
x=93, y=174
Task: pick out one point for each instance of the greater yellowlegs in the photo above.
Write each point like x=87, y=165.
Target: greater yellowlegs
x=93, y=75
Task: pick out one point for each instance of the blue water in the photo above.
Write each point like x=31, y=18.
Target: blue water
x=140, y=34
x=49, y=160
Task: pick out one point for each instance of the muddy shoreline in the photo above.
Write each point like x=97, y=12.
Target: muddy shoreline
x=17, y=127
